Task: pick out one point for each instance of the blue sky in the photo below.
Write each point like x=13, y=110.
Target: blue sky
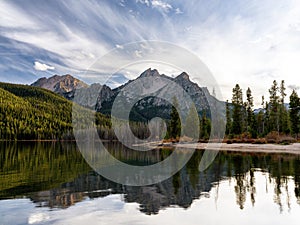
x=246, y=42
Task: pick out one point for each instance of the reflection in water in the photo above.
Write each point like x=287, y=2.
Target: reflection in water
x=54, y=175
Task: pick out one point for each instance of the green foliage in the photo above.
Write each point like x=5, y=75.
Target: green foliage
x=237, y=116
x=249, y=106
x=274, y=107
x=205, y=127
x=34, y=113
x=175, y=124
x=273, y=117
x=294, y=112
x=228, y=119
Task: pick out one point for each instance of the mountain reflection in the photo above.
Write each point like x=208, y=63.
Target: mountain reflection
x=55, y=175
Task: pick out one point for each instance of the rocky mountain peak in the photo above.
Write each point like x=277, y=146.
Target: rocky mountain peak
x=64, y=85
x=184, y=76
x=101, y=97
x=61, y=84
x=150, y=73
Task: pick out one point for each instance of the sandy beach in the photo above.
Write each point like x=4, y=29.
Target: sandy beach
x=267, y=148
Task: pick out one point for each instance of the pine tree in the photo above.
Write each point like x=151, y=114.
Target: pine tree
x=274, y=107
x=263, y=114
x=175, y=125
x=294, y=112
x=283, y=114
x=249, y=106
x=237, y=101
x=228, y=119
x=205, y=126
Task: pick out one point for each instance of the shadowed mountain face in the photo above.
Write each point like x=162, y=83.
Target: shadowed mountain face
x=101, y=97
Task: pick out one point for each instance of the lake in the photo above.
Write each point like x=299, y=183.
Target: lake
x=51, y=183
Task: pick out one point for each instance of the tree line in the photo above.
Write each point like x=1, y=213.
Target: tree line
x=32, y=113
x=274, y=116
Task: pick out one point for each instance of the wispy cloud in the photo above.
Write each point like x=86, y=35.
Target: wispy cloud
x=246, y=42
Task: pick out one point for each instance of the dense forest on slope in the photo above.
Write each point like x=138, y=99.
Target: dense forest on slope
x=34, y=113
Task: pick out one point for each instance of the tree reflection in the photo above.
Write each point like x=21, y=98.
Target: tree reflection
x=55, y=175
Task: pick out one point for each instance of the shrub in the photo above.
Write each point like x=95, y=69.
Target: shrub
x=286, y=140
x=229, y=141
x=260, y=141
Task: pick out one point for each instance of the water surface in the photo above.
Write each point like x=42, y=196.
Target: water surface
x=50, y=183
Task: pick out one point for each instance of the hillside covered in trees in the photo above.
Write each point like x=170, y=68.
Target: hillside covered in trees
x=31, y=113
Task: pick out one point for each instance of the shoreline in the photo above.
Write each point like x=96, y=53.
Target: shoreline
x=293, y=148
x=244, y=147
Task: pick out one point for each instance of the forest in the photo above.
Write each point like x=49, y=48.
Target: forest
x=276, y=121
x=31, y=113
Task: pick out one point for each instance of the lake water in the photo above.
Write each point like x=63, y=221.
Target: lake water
x=50, y=183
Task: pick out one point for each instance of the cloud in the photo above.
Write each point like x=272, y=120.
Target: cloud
x=42, y=66
x=253, y=43
x=161, y=5
x=178, y=11
x=119, y=46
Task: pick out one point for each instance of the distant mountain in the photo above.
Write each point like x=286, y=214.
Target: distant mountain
x=258, y=110
x=101, y=97
x=64, y=85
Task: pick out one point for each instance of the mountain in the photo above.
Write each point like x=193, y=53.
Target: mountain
x=102, y=97
x=64, y=85
x=150, y=107
x=31, y=113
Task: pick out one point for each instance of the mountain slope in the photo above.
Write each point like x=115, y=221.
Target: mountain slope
x=101, y=97
x=151, y=107
x=33, y=113
x=64, y=85
x=28, y=113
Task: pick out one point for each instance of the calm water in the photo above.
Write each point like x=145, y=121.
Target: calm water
x=50, y=183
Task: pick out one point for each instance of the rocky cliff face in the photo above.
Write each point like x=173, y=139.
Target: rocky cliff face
x=64, y=85
x=150, y=107
x=101, y=97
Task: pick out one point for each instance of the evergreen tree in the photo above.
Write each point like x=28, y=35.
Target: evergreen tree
x=228, y=119
x=237, y=101
x=274, y=107
x=175, y=125
x=283, y=114
x=205, y=126
x=249, y=105
x=294, y=112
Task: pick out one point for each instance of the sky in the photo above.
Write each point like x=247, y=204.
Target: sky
x=250, y=42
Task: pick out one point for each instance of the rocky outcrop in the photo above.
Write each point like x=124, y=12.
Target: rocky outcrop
x=64, y=85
